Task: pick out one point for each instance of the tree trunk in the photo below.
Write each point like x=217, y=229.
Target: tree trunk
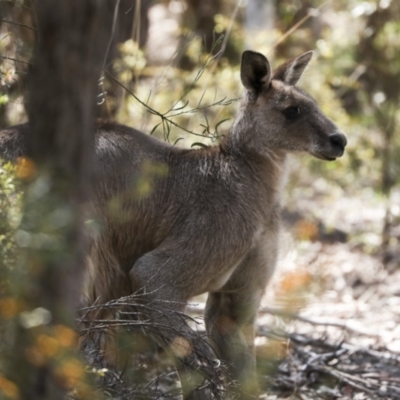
x=63, y=84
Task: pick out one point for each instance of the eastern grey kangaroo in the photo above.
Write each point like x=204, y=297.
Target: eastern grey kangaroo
x=177, y=223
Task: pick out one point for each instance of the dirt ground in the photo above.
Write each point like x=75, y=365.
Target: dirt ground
x=332, y=314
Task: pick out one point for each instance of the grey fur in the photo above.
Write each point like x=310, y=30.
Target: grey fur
x=177, y=223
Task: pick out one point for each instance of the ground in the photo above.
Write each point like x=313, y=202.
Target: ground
x=334, y=303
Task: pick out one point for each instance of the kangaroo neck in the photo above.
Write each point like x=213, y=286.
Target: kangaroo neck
x=267, y=163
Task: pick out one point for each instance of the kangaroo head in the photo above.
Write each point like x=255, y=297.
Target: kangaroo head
x=276, y=115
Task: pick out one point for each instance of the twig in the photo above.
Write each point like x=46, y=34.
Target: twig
x=112, y=32
x=311, y=13
x=227, y=35
x=164, y=118
x=15, y=60
x=5, y=36
x=382, y=367
x=327, y=322
x=18, y=24
x=19, y=4
x=342, y=377
x=200, y=72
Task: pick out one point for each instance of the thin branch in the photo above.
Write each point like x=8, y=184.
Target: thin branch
x=5, y=36
x=326, y=322
x=19, y=4
x=15, y=60
x=341, y=376
x=199, y=309
x=112, y=32
x=311, y=13
x=151, y=110
x=18, y=24
x=200, y=72
x=222, y=102
x=227, y=34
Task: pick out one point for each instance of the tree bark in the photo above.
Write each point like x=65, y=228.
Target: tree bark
x=63, y=85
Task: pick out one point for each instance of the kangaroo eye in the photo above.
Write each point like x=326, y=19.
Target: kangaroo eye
x=291, y=112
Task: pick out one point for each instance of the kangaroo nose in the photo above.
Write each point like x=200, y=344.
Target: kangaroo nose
x=338, y=139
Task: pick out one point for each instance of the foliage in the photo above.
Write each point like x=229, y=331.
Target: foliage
x=179, y=101
x=10, y=214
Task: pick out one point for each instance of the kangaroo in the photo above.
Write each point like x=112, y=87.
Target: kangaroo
x=179, y=222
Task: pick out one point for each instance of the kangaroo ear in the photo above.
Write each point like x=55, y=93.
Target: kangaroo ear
x=291, y=71
x=255, y=71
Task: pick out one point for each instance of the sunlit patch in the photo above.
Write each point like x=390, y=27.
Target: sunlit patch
x=25, y=168
x=181, y=347
x=97, y=371
x=131, y=62
x=36, y=317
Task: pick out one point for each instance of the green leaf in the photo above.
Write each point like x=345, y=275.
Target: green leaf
x=200, y=145
x=221, y=122
x=153, y=130
x=182, y=107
